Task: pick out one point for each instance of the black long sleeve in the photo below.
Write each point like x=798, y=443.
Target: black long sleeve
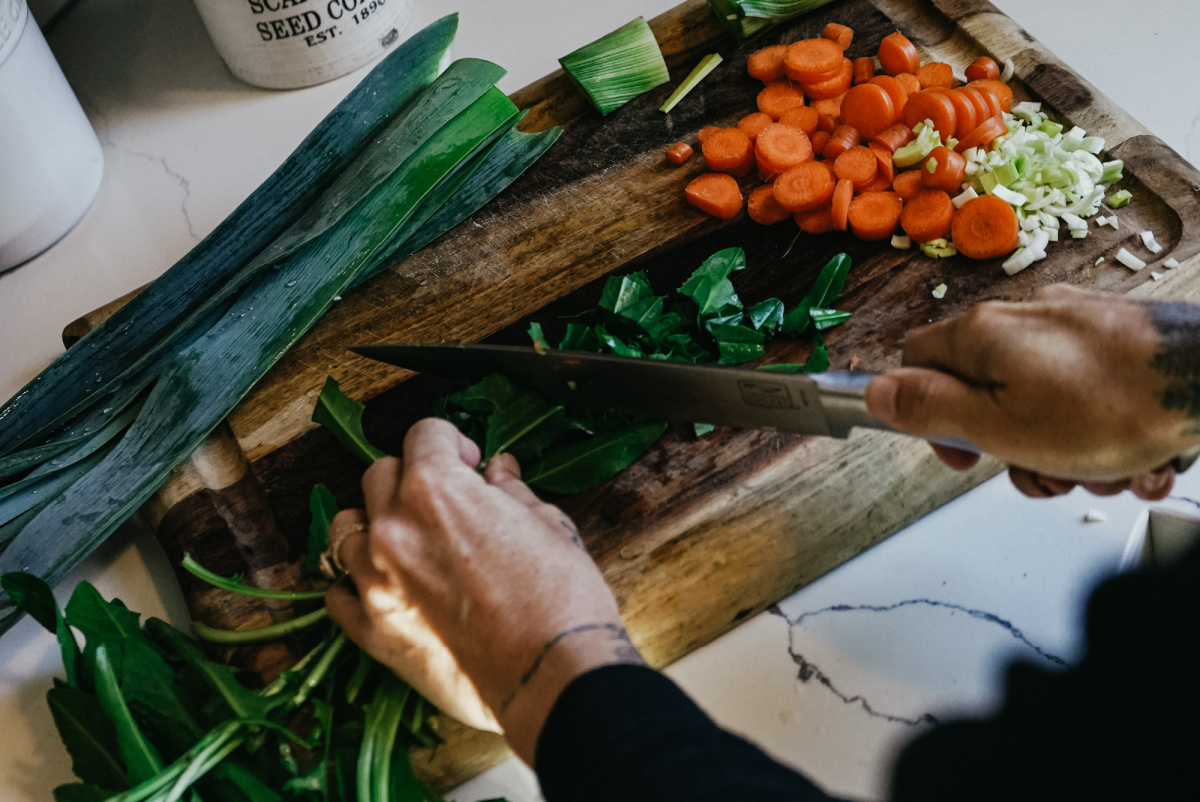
x=1124, y=724
x=628, y=734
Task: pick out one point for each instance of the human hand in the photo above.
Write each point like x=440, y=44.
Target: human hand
x=1070, y=388
x=470, y=588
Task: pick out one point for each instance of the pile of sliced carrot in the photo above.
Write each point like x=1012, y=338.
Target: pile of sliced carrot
x=823, y=140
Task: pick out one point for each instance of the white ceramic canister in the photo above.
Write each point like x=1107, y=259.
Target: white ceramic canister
x=50, y=161
x=285, y=44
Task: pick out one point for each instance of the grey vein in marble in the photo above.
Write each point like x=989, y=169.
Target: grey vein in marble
x=809, y=670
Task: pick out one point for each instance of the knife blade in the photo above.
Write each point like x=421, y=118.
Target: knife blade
x=827, y=404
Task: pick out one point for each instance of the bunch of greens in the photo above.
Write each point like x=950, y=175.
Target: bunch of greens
x=570, y=450
x=407, y=155
x=148, y=717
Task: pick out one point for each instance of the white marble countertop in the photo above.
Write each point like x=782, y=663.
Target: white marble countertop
x=834, y=678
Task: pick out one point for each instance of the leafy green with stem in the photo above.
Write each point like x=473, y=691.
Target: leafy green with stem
x=233, y=585
x=273, y=632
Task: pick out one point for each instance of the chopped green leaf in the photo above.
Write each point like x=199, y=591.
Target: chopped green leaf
x=738, y=344
x=580, y=466
x=767, y=315
x=701, y=429
x=710, y=287
x=538, y=338
x=580, y=337
x=825, y=289
x=322, y=506
x=827, y=318
x=33, y=597
x=342, y=416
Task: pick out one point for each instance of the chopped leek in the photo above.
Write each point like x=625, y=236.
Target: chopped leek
x=1009, y=68
x=1171, y=263
x=1120, y=199
x=939, y=291
x=901, y=243
x=938, y=249
x=1156, y=276
x=1129, y=260
x=617, y=67
x=706, y=65
x=1114, y=171
x=920, y=148
x=1150, y=243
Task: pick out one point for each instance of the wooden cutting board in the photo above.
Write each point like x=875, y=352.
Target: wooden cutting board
x=699, y=534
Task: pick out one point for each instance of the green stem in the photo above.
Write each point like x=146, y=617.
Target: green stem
x=212, y=635
x=320, y=669
x=234, y=586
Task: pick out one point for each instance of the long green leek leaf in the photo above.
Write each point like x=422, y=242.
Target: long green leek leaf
x=128, y=339
x=209, y=377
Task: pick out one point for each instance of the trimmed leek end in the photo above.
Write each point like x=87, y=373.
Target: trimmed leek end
x=1114, y=171
x=617, y=67
x=1120, y=199
x=706, y=65
x=938, y=249
x=734, y=22
x=1051, y=128
x=939, y=291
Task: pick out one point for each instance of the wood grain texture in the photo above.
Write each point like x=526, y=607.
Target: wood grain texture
x=698, y=535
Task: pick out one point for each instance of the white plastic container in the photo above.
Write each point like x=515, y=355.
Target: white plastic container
x=50, y=161
x=286, y=44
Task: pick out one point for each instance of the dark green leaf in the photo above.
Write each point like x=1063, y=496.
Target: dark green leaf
x=733, y=318
x=645, y=313
x=100, y=621
x=33, y=597
x=681, y=348
x=488, y=395
x=578, y=467
x=702, y=429
x=88, y=736
x=537, y=337
x=141, y=759
x=617, y=345
x=622, y=292
x=818, y=361
x=827, y=318
x=524, y=427
x=766, y=315
x=738, y=344
x=148, y=685
x=322, y=506
x=715, y=269
x=342, y=416
x=580, y=337
x=79, y=792
x=824, y=291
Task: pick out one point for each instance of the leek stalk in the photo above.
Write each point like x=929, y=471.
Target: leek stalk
x=617, y=67
x=706, y=65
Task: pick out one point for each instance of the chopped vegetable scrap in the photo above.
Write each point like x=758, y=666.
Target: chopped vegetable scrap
x=621, y=65
x=910, y=154
x=565, y=450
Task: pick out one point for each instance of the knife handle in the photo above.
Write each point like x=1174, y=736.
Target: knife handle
x=843, y=396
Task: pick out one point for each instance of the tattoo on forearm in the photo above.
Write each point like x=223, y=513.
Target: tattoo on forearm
x=623, y=650
x=1178, y=357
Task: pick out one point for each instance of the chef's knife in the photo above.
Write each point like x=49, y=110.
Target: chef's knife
x=829, y=404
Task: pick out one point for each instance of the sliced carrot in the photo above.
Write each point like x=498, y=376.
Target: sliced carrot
x=908, y=184
x=838, y=33
x=835, y=85
x=897, y=54
x=763, y=208
x=983, y=69
x=805, y=118
x=949, y=170
x=804, y=187
x=933, y=105
x=826, y=123
x=728, y=151
x=869, y=109
x=928, y=215
x=816, y=221
x=778, y=97
x=828, y=164
x=715, y=193
x=679, y=153
x=864, y=70
x=831, y=106
x=819, y=140
x=964, y=111
x=810, y=59
x=887, y=164
x=897, y=92
x=705, y=132
x=985, y=228
x=895, y=137
x=767, y=64
x=985, y=105
x=842, y=139
x=909, y=82
x=880, y=184
x=936, y=75
x=779, y=148
x=983, y=135
x=752, y=124
x=998, y=90
x=858, y=164
x=843, y=193
x=874, y=215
